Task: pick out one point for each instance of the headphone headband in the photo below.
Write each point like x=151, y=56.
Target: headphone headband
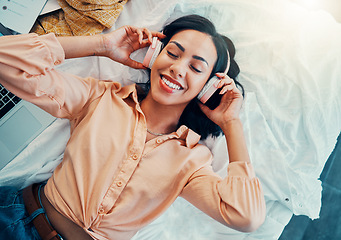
x=228, y=63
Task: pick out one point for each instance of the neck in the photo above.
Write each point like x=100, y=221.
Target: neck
x=160, y=118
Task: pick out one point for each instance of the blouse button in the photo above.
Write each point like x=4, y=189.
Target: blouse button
x=158, y=141
x=135, y=157
x=101, y=210
x=119, y=184
x=57, y=62
x=182, y=129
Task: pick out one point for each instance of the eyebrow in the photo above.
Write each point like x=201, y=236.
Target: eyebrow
x=194, y=56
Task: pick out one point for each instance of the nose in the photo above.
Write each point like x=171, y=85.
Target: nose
x=178, y=69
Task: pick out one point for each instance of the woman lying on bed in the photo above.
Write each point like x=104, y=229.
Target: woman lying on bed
x=130, y=155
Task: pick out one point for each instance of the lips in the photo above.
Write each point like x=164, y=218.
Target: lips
x=169, y=85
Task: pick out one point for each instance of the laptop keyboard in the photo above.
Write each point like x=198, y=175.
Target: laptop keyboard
x=7, y=101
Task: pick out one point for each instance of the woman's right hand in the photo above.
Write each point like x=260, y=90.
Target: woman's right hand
x=230, y=105
x=119, y=44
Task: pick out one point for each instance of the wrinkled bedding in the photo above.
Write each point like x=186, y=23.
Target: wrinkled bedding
x=290, y=67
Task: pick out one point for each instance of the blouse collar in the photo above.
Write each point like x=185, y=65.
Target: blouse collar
x=189, y=137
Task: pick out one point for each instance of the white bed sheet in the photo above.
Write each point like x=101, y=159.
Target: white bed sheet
x=290, y=66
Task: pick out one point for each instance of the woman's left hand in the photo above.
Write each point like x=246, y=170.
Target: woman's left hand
x=119, y=44
x=230, y=105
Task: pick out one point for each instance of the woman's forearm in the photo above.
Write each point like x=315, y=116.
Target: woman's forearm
x=235, y=140
x=82, y=46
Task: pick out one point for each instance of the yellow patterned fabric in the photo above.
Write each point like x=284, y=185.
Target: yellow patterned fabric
x=80, y=17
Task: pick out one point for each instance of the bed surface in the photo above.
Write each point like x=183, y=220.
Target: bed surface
x=290, y=66
x=327, y=226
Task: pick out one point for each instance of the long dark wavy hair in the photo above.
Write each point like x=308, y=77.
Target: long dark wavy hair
x=192, y=116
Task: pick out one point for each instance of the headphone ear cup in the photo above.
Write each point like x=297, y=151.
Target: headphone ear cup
x=208, y=90
x=152, y=53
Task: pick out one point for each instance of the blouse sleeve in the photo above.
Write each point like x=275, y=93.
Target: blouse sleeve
x=27, y=69
x=236, y=201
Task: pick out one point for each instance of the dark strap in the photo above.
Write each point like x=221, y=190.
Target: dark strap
x=31, y=200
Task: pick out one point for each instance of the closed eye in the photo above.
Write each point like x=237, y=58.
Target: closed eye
x=195, y=69
x=171, y=54
x=174, y=56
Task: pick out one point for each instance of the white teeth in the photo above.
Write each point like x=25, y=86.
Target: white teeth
x=170, y=84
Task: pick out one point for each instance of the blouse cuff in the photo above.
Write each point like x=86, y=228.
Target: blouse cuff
x=240, y=169
x=55, y=48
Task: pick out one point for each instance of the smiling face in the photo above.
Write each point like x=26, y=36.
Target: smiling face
x=182, y=68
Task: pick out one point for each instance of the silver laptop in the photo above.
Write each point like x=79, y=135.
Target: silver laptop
x=20, y=123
